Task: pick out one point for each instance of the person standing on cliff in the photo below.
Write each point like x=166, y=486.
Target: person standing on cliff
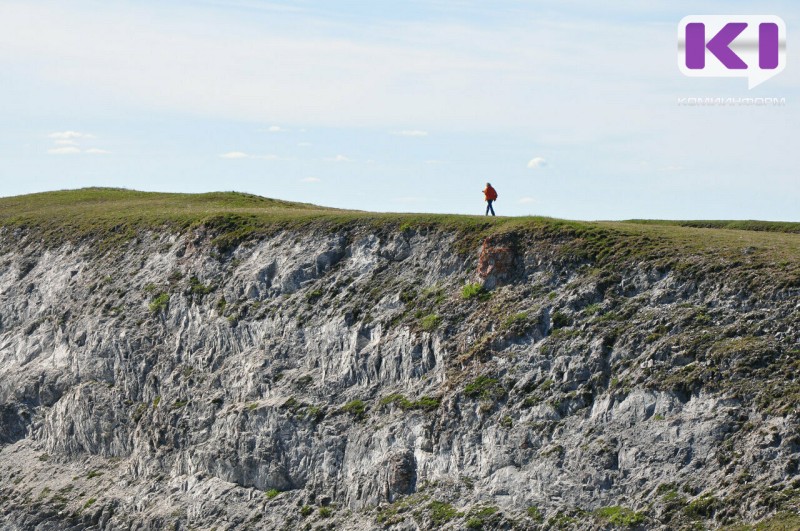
x=490, y=194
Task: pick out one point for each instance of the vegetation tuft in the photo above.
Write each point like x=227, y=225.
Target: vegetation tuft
x=620, y=516
x=357, y=408
x=425, y=403
x=430, y=322
x=485, y=388
x=475, y=291
x=441, y=512
x=159, y=302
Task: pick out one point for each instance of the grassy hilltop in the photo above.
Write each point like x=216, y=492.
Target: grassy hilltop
x=112, y=216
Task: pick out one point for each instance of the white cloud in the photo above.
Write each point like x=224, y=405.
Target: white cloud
x=526, y=200
x=66, y=150
x=537, y=162
x=243, y=155
x=276, y=129
x=410, y=132
x=67, y=143
x=305, y=144
x=339, y=158
x=434, y=162
x=311, y=180
x=68, y=135
x=235, y=155
x=347, y=74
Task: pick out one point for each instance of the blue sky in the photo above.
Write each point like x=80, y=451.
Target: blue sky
x=569, y=108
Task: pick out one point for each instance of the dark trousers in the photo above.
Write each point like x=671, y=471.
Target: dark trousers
x=489, y=207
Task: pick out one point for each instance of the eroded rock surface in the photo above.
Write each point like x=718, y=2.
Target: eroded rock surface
x=345, y=380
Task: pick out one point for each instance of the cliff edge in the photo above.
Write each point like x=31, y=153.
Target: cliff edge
x=225, y=361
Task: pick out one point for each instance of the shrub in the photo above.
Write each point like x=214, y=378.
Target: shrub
x=560, y=320
x=306, y=510
x=474, y=523
x=620, y=516
x=441, y=512
x=426, y=403
x=325, y=512
x=198, y=289
x=272, y=493
x=485, y=388
x=357, y=408
x=431, y=322
x=315, y=413
x=408, y=295
x=517, y=318
x=704, y=506
x=485, y=512
x=475, y=291
x=535, y=514
x=593, y=309
x=702, y=318
x=159, y=302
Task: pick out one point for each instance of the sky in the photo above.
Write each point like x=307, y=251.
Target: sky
x=570, y=109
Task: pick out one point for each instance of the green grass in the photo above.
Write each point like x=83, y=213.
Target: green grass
x=116, y=214
x=430, y=322
x=620, y=516
x=767, y=253
x=535, y=514
x=357, y=408
x=752, y=225
x=441, y=512
x=475, y=291
x=198, y=289
x=425, y=403
x=783, y=521
x=560, y=320
x=515, y=319
x=159, y=302
x=702, y=507
x=485, y=388
x=477, y=517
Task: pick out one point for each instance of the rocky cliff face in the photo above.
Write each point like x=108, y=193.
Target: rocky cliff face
x=396, y=378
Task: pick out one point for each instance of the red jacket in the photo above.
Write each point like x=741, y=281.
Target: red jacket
x=490, y=193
